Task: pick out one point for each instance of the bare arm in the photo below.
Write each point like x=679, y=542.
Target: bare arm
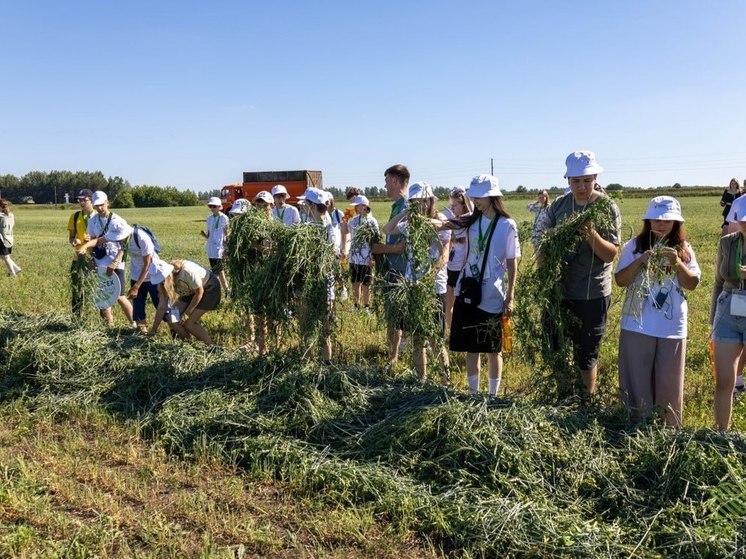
x=603, y=249
x=160, y=311
x=390, y=227
x=146, y=260
x=625, y=276
x=512, y=269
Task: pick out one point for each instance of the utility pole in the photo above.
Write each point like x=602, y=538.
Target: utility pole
x=492, y=166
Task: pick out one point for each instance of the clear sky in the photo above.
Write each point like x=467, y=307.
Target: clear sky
x=191, y=94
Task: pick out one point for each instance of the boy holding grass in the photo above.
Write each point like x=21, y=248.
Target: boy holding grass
x=587, y=278
x=216, y=235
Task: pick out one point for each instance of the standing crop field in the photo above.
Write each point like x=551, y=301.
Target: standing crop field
x=520, y=476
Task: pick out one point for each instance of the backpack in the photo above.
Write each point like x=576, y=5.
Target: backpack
x=149, y=233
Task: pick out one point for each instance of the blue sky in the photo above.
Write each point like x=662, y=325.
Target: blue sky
x=191, y=94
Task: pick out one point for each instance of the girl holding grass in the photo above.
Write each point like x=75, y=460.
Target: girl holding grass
x=422, y=202
x=486, y=285
x=363, y=230
x=656, y=267
x=460, y=206
x=728, y=319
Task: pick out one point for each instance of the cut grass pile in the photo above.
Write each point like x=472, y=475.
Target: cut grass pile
x=482, y=478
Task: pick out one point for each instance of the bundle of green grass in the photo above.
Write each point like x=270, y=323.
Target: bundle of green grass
x=539, y=292
x=411, y=301
x=282, y=273
x=478, y=478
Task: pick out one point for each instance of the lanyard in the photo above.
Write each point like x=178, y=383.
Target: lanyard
x=281, y=216
x=482, y=239
x=737, y=263
x=217, y=221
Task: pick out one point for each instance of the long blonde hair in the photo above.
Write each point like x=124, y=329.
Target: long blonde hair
x=166, y=289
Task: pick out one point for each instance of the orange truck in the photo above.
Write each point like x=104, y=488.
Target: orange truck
x=254, y=182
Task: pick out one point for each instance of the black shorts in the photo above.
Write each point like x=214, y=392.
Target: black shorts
x=5, y=251
x=474, y=330
x=360, y=273
x=210, y=298
x=453, y=276
x=216, y=265
x=586, y=329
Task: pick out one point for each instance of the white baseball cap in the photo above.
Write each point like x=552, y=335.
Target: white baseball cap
x=665, y=208
x=118, y=230
x=99, y=197
x=420, y=190
x=315, y=196
x=279, y=189
x=582, y=163
x=264, y=196
x=214, y=201
x=360, y=199
x=483, y=186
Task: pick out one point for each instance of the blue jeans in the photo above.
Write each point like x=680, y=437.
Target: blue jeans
x=138, y=303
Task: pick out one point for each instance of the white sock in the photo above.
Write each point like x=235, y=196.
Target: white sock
x=494, y=386
x=473, y=384
x=739, y=380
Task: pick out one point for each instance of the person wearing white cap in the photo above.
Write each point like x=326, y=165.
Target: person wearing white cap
x=728, y=319
x=486, y=286
x=460, y=206
x=217, y=236
x=360, y=258
x=142, y=252
x=239, y=207
x=318, y=212
x=108, y=232
x=655, y=267
x=587, y=278
x=198, y=290
x=160, y=274
x=422, y=199
x=263, y=202
x=283, y=212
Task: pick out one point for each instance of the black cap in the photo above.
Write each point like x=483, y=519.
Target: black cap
x=85, y=193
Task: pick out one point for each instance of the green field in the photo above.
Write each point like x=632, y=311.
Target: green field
x=44, y=256
x=370, y=462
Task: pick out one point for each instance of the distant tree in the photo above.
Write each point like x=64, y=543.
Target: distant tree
x=676, y=185
x=614, y=186
x=124, y=199
x=336, y=192
x=520, y=188
x=204, y=195
x=442, y=192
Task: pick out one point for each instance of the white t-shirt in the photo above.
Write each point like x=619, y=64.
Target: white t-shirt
x=362, y=255
x=335, y=216
x=668, y=321
x=287, y=215
x=503, y=246
x=97, y=226
x=191, y=276
x=437, y=246
x=217, y=231
x=459, y=246
x=137, y=253
x=737, y=209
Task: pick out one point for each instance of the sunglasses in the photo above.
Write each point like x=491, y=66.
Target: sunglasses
x=211, y=206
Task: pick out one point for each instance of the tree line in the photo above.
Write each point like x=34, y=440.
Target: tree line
x=41, y=187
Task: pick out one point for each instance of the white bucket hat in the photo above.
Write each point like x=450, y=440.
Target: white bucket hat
x=99, y=197
x=159, y=271
x=315, y=196
x=483, y=186
x=264, y=196
x=279, y=189
x=240, y=206
x=214, y=201
x=582, y=163
x=118, y=230
x=420, y=190
x=665, y=208
x=360, y=199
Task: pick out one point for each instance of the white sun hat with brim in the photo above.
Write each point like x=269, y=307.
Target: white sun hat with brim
x=582, y=163
x=360, y=199
x=264, y=196
x=664, y=208
x=279, y=189
x=214, y=201
x=118, y=230
x=483, y=186
x=158, y=271
x=314, y=195
x=240, y=206
x=420, y=190
x=99, y=197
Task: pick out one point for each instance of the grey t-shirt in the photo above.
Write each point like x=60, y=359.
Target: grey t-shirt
x=587, y=276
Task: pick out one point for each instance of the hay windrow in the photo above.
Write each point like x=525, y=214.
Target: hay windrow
x=540, y=292
x=483, y=479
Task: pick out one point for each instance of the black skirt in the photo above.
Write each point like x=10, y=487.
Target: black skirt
x=474, y=330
